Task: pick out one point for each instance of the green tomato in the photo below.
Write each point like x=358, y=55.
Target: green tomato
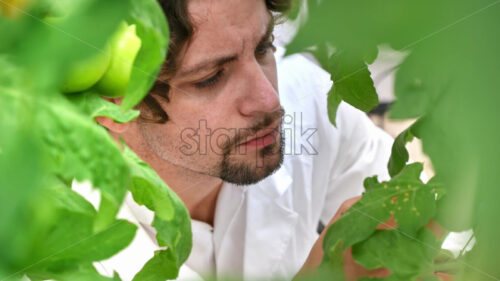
x=84, y=74
x=125, y=46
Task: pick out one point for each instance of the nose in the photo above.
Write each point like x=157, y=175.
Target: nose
x=259, y=93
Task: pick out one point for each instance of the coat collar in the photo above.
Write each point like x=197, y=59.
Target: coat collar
x=253, y=226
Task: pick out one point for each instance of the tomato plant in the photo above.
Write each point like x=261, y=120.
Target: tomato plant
x=50, y=138
x=447, y=81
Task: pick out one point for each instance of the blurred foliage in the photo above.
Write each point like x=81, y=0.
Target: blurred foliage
x=449, y=82
x=49, y=139
x=171, y=221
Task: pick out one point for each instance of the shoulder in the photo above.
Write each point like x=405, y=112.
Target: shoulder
x=303, y=89
x=304, y=86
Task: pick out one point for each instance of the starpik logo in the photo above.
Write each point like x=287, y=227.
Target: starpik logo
x=298, y=139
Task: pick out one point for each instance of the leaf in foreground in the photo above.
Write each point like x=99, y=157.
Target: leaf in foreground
x=405, y=196
x=171, y=221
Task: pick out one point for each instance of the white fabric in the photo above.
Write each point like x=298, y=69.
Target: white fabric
x=266, y=230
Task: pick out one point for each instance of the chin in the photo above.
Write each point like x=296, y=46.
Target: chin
x=253, y=168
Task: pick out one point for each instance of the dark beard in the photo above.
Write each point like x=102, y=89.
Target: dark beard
x=245, y=174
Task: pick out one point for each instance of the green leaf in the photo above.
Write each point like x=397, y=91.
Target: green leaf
x=176, y=234
x=82, y=150
x=163, y=266
x=411, y=202
x=372, y=23
x=352, y=82
x=148, y=188
x=76, y=147
x=351, y=78
x=295, y=9
x=47, y=142
x=11, y=74
x=96, y=106
x=430, y=278
x=451, y=79
x=414, y=203
x=64, y=197
x=153, y=30
x=399, y=156
x=358, y=223
x=82, y=272
x=459, y=98
x=420, y=89
x=334, y=101
x=22, y=172
x=333, y=263
x=171, y=220
x=392, y=277
x=370, y=55
x=104, y=244
x=107, y=213
x=72, y=239
x=390, y=248
x=370, y=183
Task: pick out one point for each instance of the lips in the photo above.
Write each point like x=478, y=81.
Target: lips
x=264, y=137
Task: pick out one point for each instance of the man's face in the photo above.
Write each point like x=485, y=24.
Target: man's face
x=224, y=110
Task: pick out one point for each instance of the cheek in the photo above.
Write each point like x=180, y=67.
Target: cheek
x=158, y=139
x=186, y=115
x=193, y=112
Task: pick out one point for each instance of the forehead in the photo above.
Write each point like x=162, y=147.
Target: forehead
x=224, y=27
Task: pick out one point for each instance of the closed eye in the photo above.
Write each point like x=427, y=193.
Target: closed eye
x=209, y=82
x=262, y=49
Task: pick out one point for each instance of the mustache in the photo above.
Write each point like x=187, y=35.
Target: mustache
x=263, y=123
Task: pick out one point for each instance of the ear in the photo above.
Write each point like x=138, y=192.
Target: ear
x=109, y=123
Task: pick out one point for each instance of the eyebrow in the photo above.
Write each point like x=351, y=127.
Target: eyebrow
x=218, y=62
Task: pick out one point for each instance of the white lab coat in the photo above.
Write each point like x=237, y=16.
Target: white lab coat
x=266, y=230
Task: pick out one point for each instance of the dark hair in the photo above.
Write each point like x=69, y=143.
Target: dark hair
x=181, y=31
